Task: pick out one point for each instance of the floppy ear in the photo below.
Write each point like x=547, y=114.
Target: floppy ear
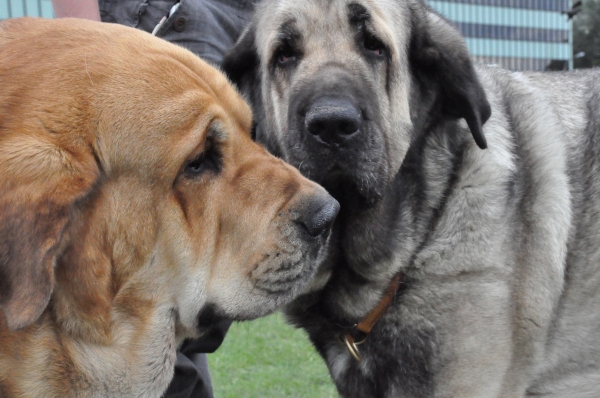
x=39, y=186
x=241, y=62
x=241, y=65
x=439, y=54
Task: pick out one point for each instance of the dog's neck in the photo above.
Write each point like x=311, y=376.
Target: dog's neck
x=138, y=360
x=105, y=338
x=377, y=243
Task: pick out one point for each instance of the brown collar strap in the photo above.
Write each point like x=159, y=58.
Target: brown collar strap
x=366, y=325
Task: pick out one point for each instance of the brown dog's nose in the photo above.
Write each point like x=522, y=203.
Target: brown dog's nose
x=319, y=214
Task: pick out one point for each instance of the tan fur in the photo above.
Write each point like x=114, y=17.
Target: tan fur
x=489, y=204
x=109, y=250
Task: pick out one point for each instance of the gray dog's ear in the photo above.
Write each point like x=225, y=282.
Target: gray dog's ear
x=241, y=62
x=242, y=66
x=439, y=57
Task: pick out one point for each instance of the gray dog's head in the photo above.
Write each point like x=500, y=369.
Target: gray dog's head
x=341, y=88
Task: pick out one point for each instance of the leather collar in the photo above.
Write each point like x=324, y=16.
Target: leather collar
x=360, y=332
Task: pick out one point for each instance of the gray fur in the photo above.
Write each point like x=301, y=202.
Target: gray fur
x=501, y=247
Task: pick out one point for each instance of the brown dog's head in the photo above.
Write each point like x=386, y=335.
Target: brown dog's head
x=129, y=185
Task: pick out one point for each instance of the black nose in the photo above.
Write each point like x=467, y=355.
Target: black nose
x=332, y=120
x=318, y=215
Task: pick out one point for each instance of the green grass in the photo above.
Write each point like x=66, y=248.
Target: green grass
x=267, y=358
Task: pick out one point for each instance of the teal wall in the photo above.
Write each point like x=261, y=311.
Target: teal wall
x=519, y=49
x=484, y=14
x=21, y=8
x=516, y=34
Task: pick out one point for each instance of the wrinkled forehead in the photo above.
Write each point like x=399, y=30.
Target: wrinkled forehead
x=159, y=124
x=328, y=20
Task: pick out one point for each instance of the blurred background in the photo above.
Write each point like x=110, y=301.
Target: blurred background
x=267, y=357
x=515, y=34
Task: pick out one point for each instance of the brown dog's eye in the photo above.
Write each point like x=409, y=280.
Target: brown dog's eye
x=208, y=161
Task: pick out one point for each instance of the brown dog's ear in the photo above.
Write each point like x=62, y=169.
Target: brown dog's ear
x=440, y=59
x=39, y=186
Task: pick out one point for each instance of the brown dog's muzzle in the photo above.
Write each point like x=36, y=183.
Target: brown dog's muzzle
x=273, y=224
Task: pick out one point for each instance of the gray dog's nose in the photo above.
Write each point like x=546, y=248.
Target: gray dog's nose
x=319, y=214
x=333, y=120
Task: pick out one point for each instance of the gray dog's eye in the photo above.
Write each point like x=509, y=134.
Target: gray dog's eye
x=374, y=45
x=286, y=56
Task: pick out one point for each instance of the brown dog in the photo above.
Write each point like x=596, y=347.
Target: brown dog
x=134, y=210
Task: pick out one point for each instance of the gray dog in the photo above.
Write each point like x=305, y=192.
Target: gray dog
x=498, y=248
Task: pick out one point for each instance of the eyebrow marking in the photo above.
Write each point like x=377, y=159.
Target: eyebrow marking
x=358, y=13
x=216, y=132
x=288, y=31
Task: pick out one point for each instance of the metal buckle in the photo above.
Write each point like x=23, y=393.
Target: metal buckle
x=352, y=345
